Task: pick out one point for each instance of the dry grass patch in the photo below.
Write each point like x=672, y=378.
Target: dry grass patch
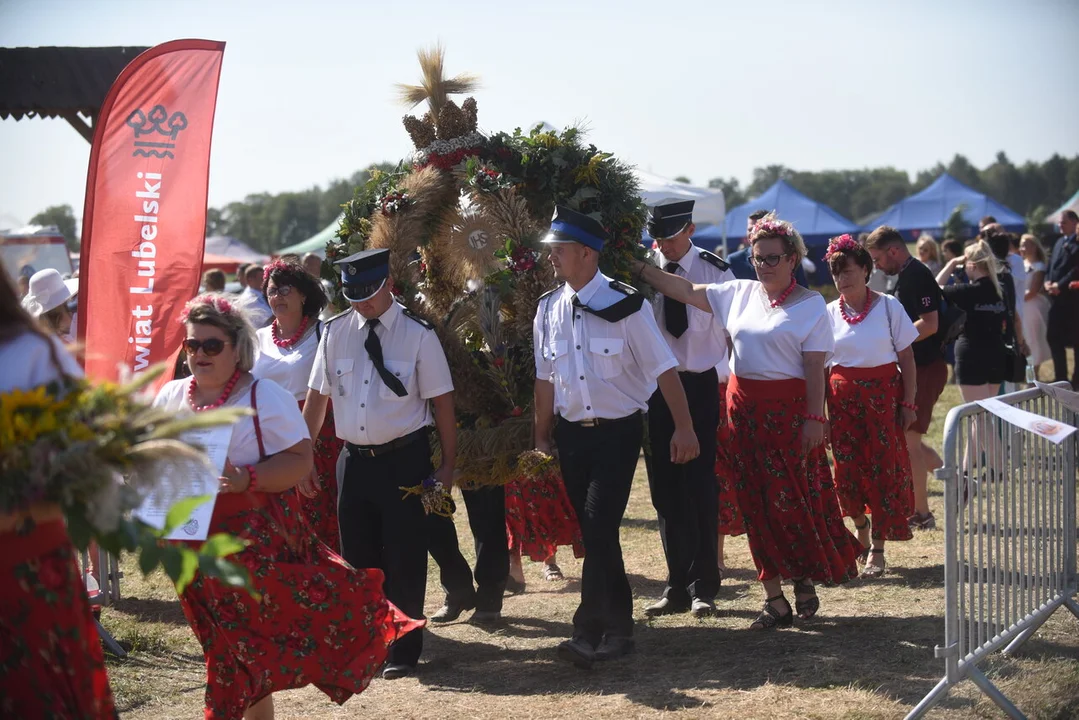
x=868, y=655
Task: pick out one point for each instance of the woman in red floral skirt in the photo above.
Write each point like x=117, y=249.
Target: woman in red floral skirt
x=782, y=339
x=870, y=403
x=539, y=519
x=285, y=353
x=730, y=517
x=318, y=620
x=51, y=662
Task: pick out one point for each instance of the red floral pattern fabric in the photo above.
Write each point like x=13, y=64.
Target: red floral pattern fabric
x=51, y=662
x=787, y=498
x=730, y=517
x=320, y=512
x=319, y=621
x=540, y=518
x=872, y=467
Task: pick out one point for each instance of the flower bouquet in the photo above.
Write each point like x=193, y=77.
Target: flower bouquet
x=96, y=450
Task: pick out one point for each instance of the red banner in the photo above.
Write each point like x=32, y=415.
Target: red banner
x=144, y=225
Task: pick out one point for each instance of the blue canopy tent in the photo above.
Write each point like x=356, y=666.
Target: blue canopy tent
x=928, y=210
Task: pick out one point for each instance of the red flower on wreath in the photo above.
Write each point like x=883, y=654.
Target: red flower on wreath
x=522, y=259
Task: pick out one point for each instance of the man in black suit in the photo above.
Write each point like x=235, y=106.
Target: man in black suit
x=1064, y=312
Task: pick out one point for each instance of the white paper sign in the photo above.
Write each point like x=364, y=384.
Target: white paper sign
x=1067, y=398
x=190, y=480
x=1052, y=430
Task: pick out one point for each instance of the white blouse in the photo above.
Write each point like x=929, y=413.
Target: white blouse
x=291, y=368
x=769, y=342
x=26, y=362
x=874, y=341
x=279, y=417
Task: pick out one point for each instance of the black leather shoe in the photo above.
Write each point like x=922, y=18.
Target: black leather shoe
x=703, y=608
x=486, y=617
x=451, y=611
x=665, y=606
x=397, y=671
x=614, y=647
x=578, y=652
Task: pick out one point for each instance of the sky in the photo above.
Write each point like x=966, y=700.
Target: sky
x=700, y=89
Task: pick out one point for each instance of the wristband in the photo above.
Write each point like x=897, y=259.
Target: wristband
x=253, y=484
x=819, y=418
x=908, y=406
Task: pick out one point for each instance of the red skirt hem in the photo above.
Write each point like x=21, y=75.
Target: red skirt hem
x=540, y=518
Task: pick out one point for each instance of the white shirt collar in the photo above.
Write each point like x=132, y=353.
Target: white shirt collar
x=386, y=319
x=588, y=291
x=686, y=263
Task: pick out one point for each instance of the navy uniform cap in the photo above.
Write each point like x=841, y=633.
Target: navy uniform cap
x=363, y=274
x=669, y=218
x=571, y=226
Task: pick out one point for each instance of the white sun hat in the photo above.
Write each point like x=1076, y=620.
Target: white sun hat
x=48, y=291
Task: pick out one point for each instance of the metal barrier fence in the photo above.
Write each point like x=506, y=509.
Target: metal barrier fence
x=1010, y=537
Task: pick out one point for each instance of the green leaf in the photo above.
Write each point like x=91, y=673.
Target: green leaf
x=222, y=545
x=230, y=573
x=149, y=557
x=180, y=564
x=181, y=511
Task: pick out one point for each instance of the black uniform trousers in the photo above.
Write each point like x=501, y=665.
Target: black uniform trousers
x=487, y=520
x=381, y=530
x=686, y=497
x=1063, y=332
x=597, y=468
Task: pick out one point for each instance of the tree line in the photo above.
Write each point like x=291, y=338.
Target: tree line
x=268, y=222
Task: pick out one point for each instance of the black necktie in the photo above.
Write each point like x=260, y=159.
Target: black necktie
x=674, y=312
x=374, y=351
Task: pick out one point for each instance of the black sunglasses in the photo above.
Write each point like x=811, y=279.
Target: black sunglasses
x=769, y=260
x=211, y=347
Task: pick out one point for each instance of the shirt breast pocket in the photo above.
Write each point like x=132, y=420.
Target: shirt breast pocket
x=606, y=356
x=558, y=351
x=403, y=371
x=342, y=377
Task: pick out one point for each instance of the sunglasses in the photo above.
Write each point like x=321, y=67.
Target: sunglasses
x=769, y=260
x=211, y=347
x=282, y=290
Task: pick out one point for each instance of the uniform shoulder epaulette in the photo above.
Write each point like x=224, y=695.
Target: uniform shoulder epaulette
x=341, y=314
x=552, y=291
x=715, y=260
x=413, y=316
x=623, y=288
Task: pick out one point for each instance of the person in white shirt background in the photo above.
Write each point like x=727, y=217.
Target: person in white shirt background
x=1035, y=302
x=782, y=340
x=871, y=390
x=686, y=496
x=252, y=300
x=285, y=353
x=599, y=358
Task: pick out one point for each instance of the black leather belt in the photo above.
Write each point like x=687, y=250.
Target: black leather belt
x=596, y=422
x=370, y=451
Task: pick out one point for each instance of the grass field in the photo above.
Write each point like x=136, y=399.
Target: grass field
x=869, y=654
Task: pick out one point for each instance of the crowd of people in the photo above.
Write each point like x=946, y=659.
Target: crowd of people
x=743, y=384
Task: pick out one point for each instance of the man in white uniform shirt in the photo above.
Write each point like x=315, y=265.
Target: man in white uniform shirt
x=599, y=357
x=389, y=379
x=686, y=496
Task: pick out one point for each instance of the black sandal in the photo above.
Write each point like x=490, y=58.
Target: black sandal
x=806, y=609
x=865, y=551
x=871, y=571
x=770, y=619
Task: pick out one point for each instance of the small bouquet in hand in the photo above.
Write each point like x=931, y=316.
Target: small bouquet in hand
x=533, y=463
x=434, y=496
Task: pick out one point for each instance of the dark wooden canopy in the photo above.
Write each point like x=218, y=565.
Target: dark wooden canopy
x=61, y=82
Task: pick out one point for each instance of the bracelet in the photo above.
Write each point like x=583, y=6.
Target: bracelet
x=819, y=418
x=253, y=484
x=908, y=406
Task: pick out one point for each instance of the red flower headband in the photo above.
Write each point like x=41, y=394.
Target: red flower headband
x=218, y=302
x=771, y=228
x=837, y=245
x=275, y=265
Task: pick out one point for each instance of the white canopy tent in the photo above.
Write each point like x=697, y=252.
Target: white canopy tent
x=710, y=208
x=1071, y=204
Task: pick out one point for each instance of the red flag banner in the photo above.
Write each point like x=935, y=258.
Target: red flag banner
x=144, y=224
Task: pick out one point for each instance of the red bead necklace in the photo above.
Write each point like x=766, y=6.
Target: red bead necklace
x=860, y=316
x=220, y=401
x=292, y=340
x=786, y=293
